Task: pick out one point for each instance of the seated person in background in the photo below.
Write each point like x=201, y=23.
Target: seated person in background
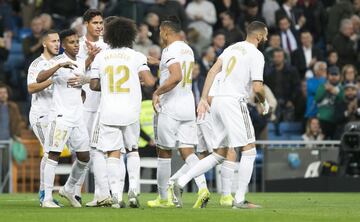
x=326, y=96
x=347, y=109
x=332, y=58
x=348, y=74
x=313, y=131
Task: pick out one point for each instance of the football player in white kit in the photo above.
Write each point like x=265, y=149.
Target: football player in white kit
x=90, y=45
x=205, y=147
x=174, y=125
x=67, y=125
x=241, y=67
x=42, y=94
x=116, y=72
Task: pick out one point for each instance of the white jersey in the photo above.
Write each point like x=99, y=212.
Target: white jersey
x=67, y=102
x=118, y=71
x=40, y=101
x=215, y=85
x=242, y=63
x=179, y=102
x=92, y=100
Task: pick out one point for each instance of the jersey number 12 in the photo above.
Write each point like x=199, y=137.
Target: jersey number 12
x=116, y=87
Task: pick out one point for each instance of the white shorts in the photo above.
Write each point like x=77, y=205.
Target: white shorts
x=59, y=134
x=232, y=124
x=113, y=138
x=89, y=119
x=171, y=133
x=39, y=126
x=205, y=135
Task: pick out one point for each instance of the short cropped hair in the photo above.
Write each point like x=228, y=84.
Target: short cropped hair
x=91, y=13
x=48, y=32
x=65, y=33
x=120, y=32
x=255, y=26
x=173, y=23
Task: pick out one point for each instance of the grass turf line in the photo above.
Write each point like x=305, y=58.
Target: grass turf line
x=289, y=207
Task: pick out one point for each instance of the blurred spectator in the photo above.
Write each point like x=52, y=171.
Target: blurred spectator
x=218, y=42
x=315, y=14
x=197, y=82
x=332, y=59
x=326, y=96
x=313, y=131
x=284, y=82
x=312, y=84
x=300, y=102
x=251, y=14
x=223, y=6
x=166, y=8
x=32, y=45
x=192, y=37
x=274, y=43
x=11, y=122
x=207, y=61
x=5, y=16
x=288, y=35
x=306, y=56
x=153, y=61
x=294, y=14
x=341, y=10
x=344, y=43
x=202, y=14
x=348, y=74
x=232, y=32
x=63, y=11
x=78, y=26
x=142, y=42
x=153, y=22
x=268, y=11
x=260, y=121
x=47, y=21
x=347, y=109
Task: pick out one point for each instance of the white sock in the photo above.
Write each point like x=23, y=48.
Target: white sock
x=81, y=181
x=77, y=171
x=200, y=168
x=245, y=171
x=163, y=175
x=113, y=171
x=191, y=161
x=122, y=173
x=102, y=189
x=184, y=169
x=49, y=177
x=133, y=169
x=42, y=167
x=227, y=174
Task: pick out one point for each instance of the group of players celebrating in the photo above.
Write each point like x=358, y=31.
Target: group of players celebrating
x=89, y=98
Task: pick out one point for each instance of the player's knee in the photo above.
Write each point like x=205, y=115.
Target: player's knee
x=83, y=156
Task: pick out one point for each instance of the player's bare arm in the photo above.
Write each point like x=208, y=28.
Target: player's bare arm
x=147, y=78
x=258, y=88
x=95, y=85
x=37, y=87
x=45, y=74
x=174, y=79
x=203, y=106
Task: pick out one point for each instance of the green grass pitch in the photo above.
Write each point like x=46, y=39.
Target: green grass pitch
x=277, y=207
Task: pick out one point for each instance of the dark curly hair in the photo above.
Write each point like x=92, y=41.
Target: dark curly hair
x=120, y=32
x=66, y=33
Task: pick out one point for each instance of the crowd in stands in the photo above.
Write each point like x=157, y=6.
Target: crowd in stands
x=312, y=56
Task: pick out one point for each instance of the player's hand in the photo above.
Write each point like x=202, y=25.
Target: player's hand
x=68, y=65
x=153, y=61
x=202, y=109
x=265, y=107
x=156, y=102
x=93, y=52
x=75, y=82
